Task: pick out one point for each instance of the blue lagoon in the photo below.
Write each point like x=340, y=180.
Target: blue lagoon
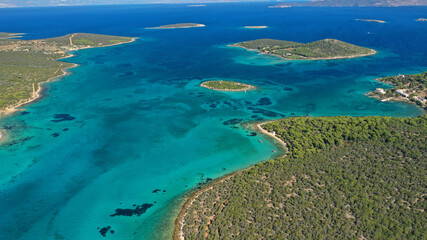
x=113, y=148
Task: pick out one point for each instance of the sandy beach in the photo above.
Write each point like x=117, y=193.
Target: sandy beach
x=272, y=135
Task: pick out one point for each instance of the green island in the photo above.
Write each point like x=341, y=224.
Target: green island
x=178, y=25
x=227, y=86
x=407, y=88
x=343, y=178
x=25, y=64
x=318, y=50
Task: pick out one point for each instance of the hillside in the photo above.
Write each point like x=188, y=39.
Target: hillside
x=322, y=49
x=344, y=178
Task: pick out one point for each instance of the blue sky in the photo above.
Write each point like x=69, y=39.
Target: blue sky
x=31, y=3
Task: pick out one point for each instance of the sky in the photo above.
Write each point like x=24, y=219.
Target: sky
x=39, y=3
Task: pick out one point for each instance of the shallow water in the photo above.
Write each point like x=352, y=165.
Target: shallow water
x=131, y=126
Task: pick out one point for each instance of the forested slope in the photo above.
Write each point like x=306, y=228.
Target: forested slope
x=344, y=178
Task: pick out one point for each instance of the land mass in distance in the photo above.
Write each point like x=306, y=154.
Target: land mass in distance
x=178, y=25
x=371, y=20
x=352, y=3
x=318, y=50
x=256, y=27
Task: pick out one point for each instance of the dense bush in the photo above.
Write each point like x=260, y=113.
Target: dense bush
x=344, y=178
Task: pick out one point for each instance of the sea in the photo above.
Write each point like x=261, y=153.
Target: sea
x=112, y=150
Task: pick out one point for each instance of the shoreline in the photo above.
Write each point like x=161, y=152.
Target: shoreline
x=179, y=221
x=373, y=52
x=271, y=135
x=36, y=95
x=178, y=233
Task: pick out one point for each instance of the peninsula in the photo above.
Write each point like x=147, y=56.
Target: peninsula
x=371, y=20
x=227, y=86
x=178, y=25
x=407, y=88
x=318, y=50
x=343, y=178
x=25, y=64
x=4, y=35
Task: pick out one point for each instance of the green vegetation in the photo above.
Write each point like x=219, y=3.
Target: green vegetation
x=24, y=64
x=178, y=25
x=407, y=88
x=344, y=178
x=322, y=49
x=223, y=85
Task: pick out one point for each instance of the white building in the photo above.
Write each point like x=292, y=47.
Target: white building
x=380, y=90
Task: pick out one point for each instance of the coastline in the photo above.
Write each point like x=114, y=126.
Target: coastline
x=37, y=94
x=178, y=233
x=373, y=52
x=179, y=222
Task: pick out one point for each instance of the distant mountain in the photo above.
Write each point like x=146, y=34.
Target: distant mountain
x=355, y=3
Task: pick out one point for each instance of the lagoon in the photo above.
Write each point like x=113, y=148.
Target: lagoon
x=133, y=119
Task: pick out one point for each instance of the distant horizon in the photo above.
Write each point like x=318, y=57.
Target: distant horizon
x=64, y=3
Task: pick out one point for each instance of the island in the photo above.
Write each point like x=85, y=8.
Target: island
x=371, y=20
x=422, y=20
x=227, y=86
x=26, y=64
x=406, y=88
x=342, y=178
x=256, y=27
x=282, y=5
x=318, y=50
x=178, y=25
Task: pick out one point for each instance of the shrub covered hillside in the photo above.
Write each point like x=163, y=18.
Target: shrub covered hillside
x=344, y=178
x=24, y=64
x=322, y=49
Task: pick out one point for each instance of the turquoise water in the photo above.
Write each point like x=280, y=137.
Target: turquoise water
x=131, y=127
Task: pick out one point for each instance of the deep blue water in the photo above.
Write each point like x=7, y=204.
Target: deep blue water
x=132, y=120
